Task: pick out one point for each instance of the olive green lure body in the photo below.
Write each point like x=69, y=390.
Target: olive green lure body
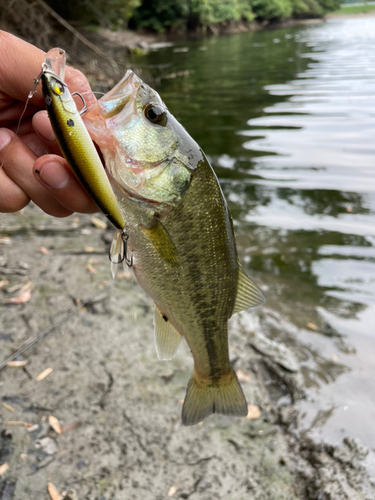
x=74, y=140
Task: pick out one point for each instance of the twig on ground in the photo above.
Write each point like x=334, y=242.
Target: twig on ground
x=45, y=332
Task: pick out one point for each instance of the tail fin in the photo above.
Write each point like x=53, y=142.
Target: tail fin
x=202, y=399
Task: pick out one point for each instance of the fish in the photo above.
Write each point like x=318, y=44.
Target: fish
x=73, y=138
x=180, y=238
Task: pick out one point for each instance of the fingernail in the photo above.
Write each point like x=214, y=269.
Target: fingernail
x=5, y=137
x=54, y=175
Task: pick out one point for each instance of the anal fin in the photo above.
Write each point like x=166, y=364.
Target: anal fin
x=167, y=337
x=248, y=293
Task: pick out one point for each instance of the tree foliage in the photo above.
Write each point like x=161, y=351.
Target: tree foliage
x=166, y=15
x=272, y=9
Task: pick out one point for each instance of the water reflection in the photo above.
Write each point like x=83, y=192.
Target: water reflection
x=288, y=120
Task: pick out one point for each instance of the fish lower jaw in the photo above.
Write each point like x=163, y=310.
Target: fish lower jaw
x=134, y=196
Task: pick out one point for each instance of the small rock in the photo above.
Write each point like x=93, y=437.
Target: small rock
x=8, y=490
x=41, y=432
x=275, y=351
x=355, y=445
x=47, y=445
x=343, y=454
x=71, y=495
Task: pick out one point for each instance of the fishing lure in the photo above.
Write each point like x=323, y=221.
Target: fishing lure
x=78, y=149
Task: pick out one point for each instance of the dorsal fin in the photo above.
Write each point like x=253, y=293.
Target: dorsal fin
x=248, y=293
x=167, y=337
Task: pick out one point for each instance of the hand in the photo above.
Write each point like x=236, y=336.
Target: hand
x=55, y=189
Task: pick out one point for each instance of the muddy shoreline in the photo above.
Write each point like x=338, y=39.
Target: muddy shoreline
x=119, y=407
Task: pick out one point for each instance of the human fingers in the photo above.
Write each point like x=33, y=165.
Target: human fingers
x=20, y=64
x=43, y=129
x=33, y=142
x=15, y=111
x=12, y=197
x=18, y=161
x=55, y=175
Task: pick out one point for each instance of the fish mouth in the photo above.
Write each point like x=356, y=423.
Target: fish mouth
x=117, y=98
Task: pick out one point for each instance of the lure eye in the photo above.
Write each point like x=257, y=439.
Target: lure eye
x=155, y=114
x=57, y=87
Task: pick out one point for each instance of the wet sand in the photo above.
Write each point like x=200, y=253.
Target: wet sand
x=119, y=407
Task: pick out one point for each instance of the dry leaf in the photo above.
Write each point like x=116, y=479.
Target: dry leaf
x=8, y=407
x=172, y=490
x=311, y=326
x=76, y=219
x=55, y=424
x=17, y=363
x=126, y=275
x=15, y=288
x=53, y=493
x=71, y=426
x=32, y=428
x=91, y=269
x=43, y=250
x=3, y=283
x=21, y=298
x=253, y=411
x=100, y=224
x=44, y=374
x=335, y=357
x=89, y=249
x=17, y=422
x=243, y=376
x=3, y=468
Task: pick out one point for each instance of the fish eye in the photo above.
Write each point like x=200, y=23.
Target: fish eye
x=155, y=114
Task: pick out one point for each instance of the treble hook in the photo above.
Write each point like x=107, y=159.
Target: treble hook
x=83, y=102
x=125, y=237
x=117, y=257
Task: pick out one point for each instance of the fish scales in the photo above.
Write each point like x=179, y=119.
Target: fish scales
x=199, y=296
x=180, y=238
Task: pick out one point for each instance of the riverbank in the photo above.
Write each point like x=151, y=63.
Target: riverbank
x=90, y=408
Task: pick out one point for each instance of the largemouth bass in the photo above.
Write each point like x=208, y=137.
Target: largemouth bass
x=74, y=140
x=180, y=238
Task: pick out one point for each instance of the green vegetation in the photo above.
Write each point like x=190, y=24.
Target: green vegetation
x=164, y=15
x=356, y=9
x=182, y=15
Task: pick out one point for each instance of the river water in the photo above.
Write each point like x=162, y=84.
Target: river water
x=287, y=118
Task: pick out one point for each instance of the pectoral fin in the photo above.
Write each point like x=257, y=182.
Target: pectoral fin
x=162, y=241
x=248, y=293
x=167, y=337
